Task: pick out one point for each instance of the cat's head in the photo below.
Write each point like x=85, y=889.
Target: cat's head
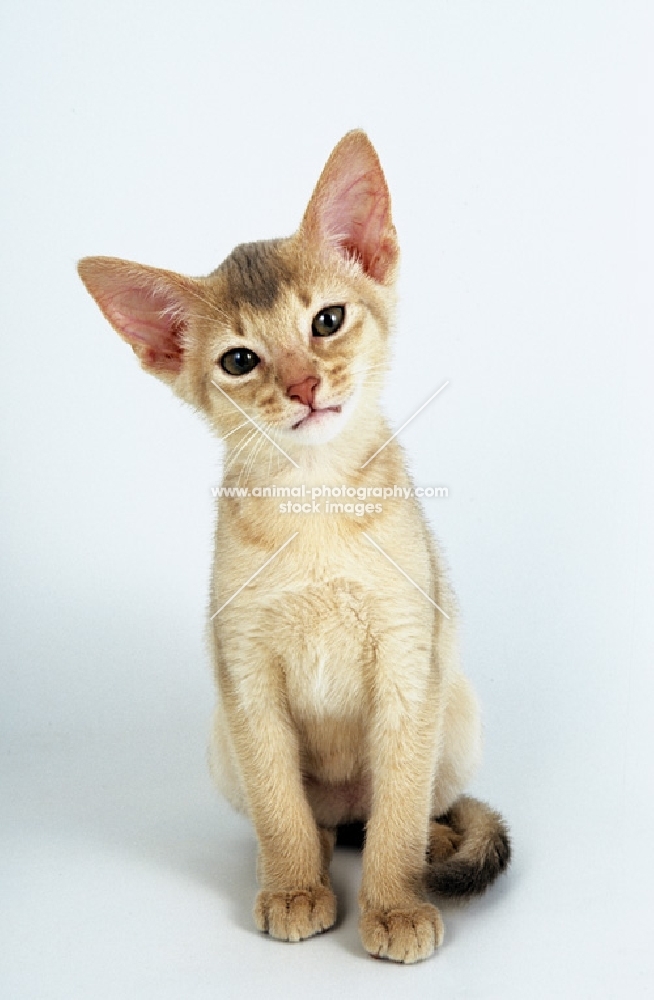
x=293, y=332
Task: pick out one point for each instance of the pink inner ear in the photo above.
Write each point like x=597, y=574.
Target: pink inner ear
x=143, y=307
x=351, y=207
x=150, y=319
x=357, y=217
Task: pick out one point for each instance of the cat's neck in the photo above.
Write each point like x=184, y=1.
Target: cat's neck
x=341, y=461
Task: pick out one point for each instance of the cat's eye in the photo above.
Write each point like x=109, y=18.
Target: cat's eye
x=328, y=321
x=239, y=361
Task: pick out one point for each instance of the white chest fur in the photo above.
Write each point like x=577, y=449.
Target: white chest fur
x=322, y=641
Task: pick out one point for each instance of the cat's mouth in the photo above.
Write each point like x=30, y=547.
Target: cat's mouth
x=315, y=415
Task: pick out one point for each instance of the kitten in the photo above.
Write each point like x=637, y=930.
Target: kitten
x=340, y=696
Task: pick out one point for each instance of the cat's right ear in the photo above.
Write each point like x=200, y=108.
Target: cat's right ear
x=148, y=307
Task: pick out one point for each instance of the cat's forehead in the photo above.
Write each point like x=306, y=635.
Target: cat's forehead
x=256, y=274
x=270, y=287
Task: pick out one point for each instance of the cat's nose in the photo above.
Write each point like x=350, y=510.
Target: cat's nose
x=304, y=391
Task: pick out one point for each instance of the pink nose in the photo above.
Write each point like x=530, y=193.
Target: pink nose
x=304, y=391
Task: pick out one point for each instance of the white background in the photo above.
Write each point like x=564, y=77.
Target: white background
x=517, y=142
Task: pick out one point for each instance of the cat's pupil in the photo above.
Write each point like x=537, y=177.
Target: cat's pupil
x=239, y=361
x=328, y=321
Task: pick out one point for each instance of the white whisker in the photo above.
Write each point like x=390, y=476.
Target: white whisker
x=237, y=451
x=234, y=429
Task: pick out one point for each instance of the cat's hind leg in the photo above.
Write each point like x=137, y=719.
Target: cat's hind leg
x=469, y=843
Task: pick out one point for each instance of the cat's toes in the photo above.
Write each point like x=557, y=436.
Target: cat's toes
x=443, y=842
x=295, y=914
x=403, y=935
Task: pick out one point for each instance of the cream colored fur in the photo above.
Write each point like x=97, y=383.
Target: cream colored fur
x=340, y=694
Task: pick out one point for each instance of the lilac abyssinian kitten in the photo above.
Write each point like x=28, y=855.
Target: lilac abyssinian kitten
x=340, y=696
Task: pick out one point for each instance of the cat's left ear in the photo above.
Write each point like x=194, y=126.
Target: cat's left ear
x=149, y=308
x=350, y=208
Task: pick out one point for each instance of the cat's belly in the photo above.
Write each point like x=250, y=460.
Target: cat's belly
x=323, y=643
x=343, y=802
x=335, y=769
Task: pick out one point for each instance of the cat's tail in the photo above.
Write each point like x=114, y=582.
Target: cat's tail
x=470, y=847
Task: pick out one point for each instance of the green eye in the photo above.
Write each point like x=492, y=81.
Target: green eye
x=239, y=361
x=328, y=321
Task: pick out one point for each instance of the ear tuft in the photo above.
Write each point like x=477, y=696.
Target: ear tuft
x=145, y=305
x=351, y=208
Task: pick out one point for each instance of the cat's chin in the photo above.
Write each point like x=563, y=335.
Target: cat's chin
x=320, y=425
x=316, y=417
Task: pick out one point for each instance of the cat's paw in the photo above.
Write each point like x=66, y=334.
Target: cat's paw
x=407, y=934
x=295, y=914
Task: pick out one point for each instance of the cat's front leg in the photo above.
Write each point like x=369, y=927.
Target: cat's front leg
x=292, y=914
x=296, y=900
x=396, y=920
